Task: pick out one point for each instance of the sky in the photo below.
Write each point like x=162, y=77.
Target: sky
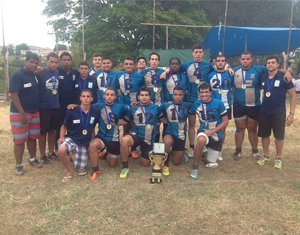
x=24, y=23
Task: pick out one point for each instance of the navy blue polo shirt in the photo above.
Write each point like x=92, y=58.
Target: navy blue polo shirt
x=66, y=86
x=47, y=83
x=88, y=83
x=276, y=102
x=74, y=123
x=26, y=84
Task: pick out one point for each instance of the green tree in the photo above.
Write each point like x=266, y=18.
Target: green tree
x=22, y=46
x=60, y=47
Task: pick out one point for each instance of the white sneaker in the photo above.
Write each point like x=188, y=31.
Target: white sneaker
x=190, y=152
x=220, y=158
x=212, y=165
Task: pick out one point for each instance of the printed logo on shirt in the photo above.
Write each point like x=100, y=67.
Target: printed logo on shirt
x=252, y=75
x=92, y=120
x=90, y=85
x=27, y=85
x=76, y=85
x=277, y=83
x=76, y=121
x=61, y=77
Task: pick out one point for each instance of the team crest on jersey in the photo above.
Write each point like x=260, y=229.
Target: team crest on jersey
x=27, y=85
x=252, y=75
x=76, y=85
x=90, y=85
x=92, y=120
x=76, y=121
x=263, y=83
x=61, y=77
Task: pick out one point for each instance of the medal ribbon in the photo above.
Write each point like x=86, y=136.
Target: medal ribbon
x=79, y=83
x=155, y=82
x=269, y=84
x=198, y=70
x=105, y=79
x=221, y=80
x=146, y=118
x=108, y=117
x=54, y=80
x=178, y=114
x=84, y=124
x=175, y=82
x=244, y=78
x=206, y=114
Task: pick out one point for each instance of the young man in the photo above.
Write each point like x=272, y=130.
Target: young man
x=80, y=126
x=272, y=114
x=97, y=63
x=106, y=78
x=141, y=63
x=49, y=106
x=85, y=81
x=221, y=81
x=212, y=118
x=24, y=112
x=174, y=78
x=144, y=117
x=66, y=88
x=108, y=132
x=176, y=114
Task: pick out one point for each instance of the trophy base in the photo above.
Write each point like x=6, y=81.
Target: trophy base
x=156, y=176
x=154, y=180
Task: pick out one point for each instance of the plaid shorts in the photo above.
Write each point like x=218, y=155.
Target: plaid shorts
x=81, y=157
x=21, y=132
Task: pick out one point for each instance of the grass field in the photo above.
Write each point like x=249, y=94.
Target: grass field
x=236, y=198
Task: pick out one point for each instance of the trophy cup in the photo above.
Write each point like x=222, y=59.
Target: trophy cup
x=158, y=158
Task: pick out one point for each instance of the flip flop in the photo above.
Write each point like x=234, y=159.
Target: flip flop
x=67, y=179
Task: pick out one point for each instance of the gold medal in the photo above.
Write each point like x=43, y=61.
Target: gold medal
x=148, y=126
x=84, y=131
x=268, y=94
x=54, y=92
x=108, y=126
x=126, y=92
x=220, y=91
x=244, y=86
x=155, y=89
x=197, y=81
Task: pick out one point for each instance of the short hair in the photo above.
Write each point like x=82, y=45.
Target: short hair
x=204, y=86
x=212, y=59
x=178, y=88
x=65, y=53
x=110, y=89
x=197, y=46
x=246, y=53
x=175, y=58
x=154, y=53
x=97, y=54
x=84, y=63
x=106, y=58
x=129, y=58
x=141, y=58
x=144, y=88
x=52, y=54
x=219, y=56
x=87, y=90
x=273, y=57
x=33, y=56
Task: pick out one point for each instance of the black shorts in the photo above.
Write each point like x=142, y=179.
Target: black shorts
x=145, y=148
x=50, y=119
x=112, y=147
x=178, y=144
x=274, y=121
x=213, y=144
x=229, y=113
x=249, y=111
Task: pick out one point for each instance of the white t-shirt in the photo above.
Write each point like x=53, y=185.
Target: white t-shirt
x=296, y=83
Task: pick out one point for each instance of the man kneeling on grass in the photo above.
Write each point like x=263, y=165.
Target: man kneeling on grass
x=212, y=118
x=80, y=123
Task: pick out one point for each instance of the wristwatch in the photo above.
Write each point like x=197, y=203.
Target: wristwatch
x=292, y=112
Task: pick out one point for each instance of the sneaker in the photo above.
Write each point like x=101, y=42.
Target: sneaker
x=256, y=156
x=262, y=161
x=94, y=175
x=190, y=152
x=237, y=156
x=134, y=154
x=19, y=170
x=212, y=165
x=166, y=171
x=278, y=164
x=35, y=163
x=53, y=156
x=45, y=160
x=82, y=172
x=124, y=173
x=194, y=173
x=102, y=154
x=220, y=158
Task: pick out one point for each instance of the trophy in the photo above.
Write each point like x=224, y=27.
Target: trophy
x=158, y=158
